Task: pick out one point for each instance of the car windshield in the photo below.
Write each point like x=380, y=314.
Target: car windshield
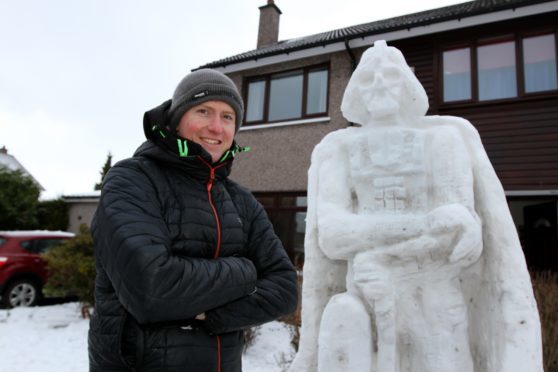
x=2, y=241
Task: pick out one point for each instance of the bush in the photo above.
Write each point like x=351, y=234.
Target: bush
x=294, y=319
x=71, y=268
x=53, y=215
x=19, y=197
x=545, y=285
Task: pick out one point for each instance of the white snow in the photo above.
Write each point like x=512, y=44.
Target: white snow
x=54, y=338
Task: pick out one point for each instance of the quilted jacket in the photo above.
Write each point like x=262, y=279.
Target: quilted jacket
x=174, y=238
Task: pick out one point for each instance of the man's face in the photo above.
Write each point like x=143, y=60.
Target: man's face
x=210, y=124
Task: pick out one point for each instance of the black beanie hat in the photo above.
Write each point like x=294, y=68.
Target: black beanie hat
x=201, y=86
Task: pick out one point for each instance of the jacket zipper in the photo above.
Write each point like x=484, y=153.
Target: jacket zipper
x=218, y=353
x=210, y=199
x=209, y=186
x=218, y=247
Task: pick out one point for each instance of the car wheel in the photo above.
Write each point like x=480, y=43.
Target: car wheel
x=21, y=293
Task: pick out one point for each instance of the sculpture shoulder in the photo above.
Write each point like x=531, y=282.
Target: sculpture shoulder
x=334, y=141
x=466, y=129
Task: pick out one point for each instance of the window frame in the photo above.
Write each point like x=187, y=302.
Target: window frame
x=473, y=45
x=267, y=78
x=274, y=205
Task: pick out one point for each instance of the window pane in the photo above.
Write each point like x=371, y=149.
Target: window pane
x=298, y=241
x=301, y=201
x=285, y=97
x=497, y=77
x=457, y=75
x=255, y=104
x=290, y=227
x=42, y=245
x=539, y=59
x=317, y=92
x=266, y=201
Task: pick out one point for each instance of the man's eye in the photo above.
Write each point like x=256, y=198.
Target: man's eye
x=229, y=117
x=202, y=111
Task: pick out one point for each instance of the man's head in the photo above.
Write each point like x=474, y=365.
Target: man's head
x=382, y=88
x=201, y=86
x=207, y=109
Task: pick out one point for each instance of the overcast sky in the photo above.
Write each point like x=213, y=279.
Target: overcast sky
x=77, y=76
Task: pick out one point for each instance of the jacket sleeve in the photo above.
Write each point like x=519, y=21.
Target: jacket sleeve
x=276, y=291
x=133, y=245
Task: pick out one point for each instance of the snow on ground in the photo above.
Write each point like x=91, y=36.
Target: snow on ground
x=54, y=338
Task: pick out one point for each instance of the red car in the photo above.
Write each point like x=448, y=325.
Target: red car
x=22, y=270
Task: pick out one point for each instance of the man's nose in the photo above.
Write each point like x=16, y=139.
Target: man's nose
x=216, y=124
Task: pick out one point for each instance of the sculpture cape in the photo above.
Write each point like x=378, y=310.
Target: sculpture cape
x=504, y=325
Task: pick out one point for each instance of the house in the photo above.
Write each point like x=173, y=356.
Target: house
x=10, y=162
x=492, y=62
x=81, y=209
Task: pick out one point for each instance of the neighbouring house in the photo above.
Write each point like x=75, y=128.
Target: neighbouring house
x=492, y=62
x=10, y=162
x=81, y=208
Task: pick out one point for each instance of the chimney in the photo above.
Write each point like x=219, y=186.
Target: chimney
x=269, y=24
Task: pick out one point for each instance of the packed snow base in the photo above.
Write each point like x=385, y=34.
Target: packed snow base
x=54, y=339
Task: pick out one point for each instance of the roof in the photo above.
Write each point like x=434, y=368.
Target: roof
x=425, y=18
x=84, y=197
x=10, y=162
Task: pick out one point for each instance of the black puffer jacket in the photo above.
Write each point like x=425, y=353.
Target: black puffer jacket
x=174, y=237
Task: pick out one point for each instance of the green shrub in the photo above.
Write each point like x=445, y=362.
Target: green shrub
x=19, y=197
x=294, y=319
x=53, y=215
x=71, y=268
x=545, y=285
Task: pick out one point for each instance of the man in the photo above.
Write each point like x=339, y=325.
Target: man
x=186, y=258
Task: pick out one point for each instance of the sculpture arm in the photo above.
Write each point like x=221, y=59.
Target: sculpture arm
x=342, y=232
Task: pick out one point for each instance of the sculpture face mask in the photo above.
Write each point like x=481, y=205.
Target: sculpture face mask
x=412, y=262
x=382, y=87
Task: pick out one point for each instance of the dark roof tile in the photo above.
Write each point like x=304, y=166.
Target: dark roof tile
x=427, y=17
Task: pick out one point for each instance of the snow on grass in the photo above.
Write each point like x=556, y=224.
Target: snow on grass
x=54, y=338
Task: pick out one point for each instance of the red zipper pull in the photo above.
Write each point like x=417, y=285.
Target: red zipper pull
x=211, y=178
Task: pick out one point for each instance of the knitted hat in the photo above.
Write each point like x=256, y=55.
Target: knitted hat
x=201, y=86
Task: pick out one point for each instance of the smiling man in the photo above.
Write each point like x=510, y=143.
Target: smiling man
x=186, y=258
x=210, y=124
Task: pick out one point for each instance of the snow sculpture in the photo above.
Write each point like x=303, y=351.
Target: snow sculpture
x=412, y=258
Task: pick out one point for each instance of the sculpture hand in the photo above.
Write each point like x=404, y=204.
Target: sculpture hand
x=454, y=226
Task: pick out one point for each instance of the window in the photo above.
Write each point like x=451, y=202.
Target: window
x=290, y=95
x=316, y=100
x=255, y=101
x=539, y=61
x=497, y=74
x=285, y=96
x=40, y=245
x=488, y=72
x=457, y=75
x=287, y=213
